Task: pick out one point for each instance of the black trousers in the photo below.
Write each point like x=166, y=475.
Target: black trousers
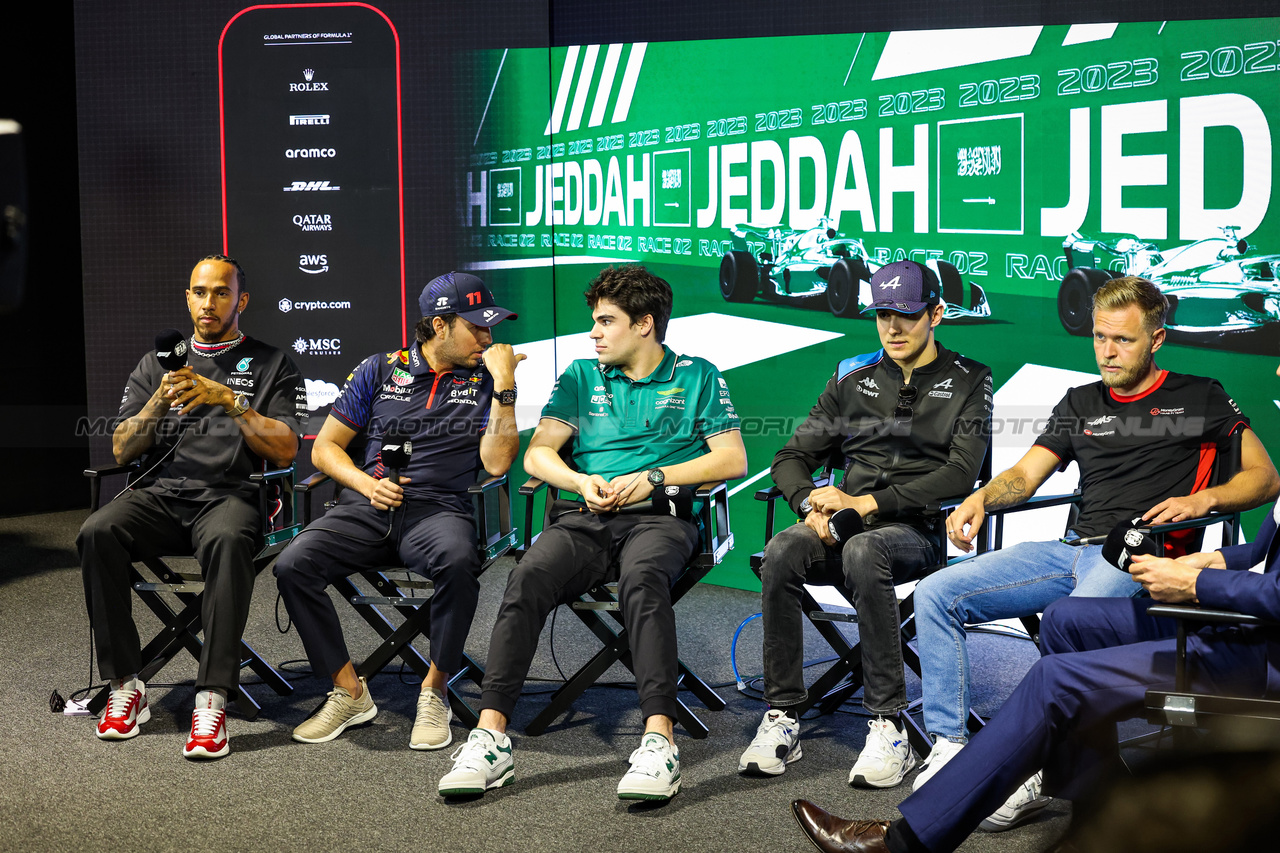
x=644, y=553
x=428, y=539
x=223, y=536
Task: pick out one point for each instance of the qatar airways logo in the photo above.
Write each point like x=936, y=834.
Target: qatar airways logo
x=310, y=85
x=313, y=221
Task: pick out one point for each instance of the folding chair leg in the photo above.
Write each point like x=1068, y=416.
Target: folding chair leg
x=695, y=685
x=385, y=629
x=564, y=698
x=269, y=674
x=398, y=643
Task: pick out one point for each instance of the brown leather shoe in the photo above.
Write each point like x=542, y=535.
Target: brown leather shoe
x=832, y=834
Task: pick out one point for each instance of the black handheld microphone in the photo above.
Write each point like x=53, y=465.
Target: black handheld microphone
x=395, y=452
x=844, y=524
x=1125, y=540
x=675, y=501
x=171, y=349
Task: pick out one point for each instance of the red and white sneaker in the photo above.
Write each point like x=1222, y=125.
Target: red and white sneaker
x=208, y=734
x=126, y=710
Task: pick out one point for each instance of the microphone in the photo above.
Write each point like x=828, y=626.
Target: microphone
x=395, y=452
x=1124, y=541
x=675, y=501
x=845, y=524
x=171, y=349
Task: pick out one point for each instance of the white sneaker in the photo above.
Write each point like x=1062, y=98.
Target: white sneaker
x=482, y=763
x=776, y=744
x=943, y=751
x=655, y=770
x=1021, y=806
x=885, y=759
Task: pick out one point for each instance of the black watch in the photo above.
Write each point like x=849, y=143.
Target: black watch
x=505, y=398
x=656, y=477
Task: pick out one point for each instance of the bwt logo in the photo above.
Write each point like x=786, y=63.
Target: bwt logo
x=310, y=187
x=308, y=120
x=313, y=264
x=318, y=346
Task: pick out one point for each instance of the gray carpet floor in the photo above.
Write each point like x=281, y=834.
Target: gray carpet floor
x=63, y=789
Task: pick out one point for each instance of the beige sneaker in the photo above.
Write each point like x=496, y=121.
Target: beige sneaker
x=431, y=726
x=338, y=712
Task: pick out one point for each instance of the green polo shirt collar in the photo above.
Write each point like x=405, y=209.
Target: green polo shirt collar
x=664, y=372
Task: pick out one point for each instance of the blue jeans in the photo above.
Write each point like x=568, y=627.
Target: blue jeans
x=1020, y=580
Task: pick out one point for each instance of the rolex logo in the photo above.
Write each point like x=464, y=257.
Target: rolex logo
x=307, y=74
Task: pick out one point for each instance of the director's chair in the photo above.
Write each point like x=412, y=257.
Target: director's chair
x=405, y=593
x=181, y=625
x=712, y=502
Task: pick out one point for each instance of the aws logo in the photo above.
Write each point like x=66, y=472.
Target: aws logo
x=313, y=264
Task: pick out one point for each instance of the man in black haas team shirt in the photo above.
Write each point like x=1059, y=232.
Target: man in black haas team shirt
x=204, y=428
x=451, y=398
x=1144, y=441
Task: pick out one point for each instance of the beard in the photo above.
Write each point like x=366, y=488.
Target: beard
x=212, y=335
x=1129, y=377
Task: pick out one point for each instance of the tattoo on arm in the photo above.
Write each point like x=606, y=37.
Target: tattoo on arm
x=1005, y=491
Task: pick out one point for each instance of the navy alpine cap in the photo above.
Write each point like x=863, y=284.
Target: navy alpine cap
x=905, y=287
x=462, y=294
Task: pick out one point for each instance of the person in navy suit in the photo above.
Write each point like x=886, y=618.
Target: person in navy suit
x=1100, y=658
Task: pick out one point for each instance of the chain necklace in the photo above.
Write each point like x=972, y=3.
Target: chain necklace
x=215, y=350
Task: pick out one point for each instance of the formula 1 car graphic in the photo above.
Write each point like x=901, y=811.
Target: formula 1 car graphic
x=787, y=264
x=1217, y=288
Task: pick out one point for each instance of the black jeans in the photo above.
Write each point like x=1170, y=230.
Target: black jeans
x=222, y=534
x=644, y=553
x=867, y=566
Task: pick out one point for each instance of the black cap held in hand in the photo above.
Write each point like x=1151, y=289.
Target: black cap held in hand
x=845, y=524
x=1125, y=540
x=171, y=349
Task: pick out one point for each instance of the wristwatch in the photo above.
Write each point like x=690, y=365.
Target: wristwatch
x=806, y=507
x=505, y=398
x=656, y=477
x=239, y=407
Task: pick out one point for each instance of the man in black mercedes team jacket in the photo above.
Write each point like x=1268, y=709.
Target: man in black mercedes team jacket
x=912, y=423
